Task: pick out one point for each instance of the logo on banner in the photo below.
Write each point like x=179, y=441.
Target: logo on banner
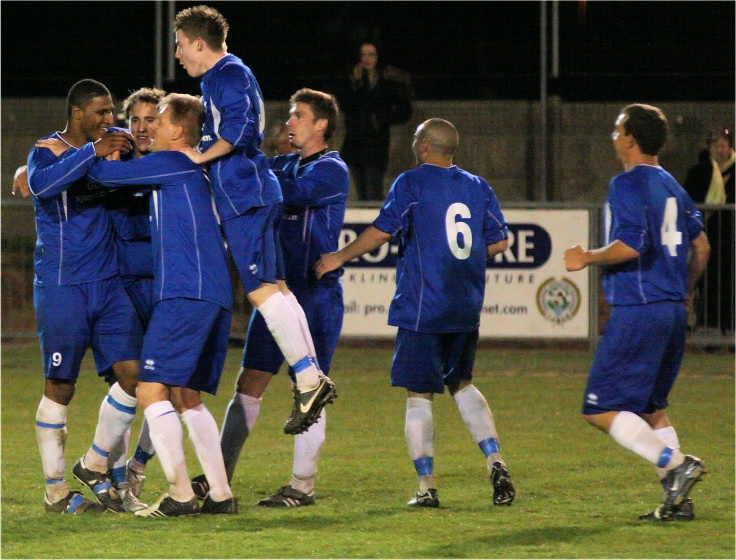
x=558, y=300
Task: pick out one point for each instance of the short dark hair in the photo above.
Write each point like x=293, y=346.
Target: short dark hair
x=82, y=93
x=205, y=22
x=187, y=111
x=323, y=105
x=648, y=125
x=143, y=95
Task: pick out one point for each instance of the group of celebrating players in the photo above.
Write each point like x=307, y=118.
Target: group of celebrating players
x=135, y=228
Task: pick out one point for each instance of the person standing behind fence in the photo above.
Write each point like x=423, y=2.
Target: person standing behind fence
x=377, y=97
x=79, y=298
x=448, y=223
x=711, y=181
x=651, y=227
x=248, y=196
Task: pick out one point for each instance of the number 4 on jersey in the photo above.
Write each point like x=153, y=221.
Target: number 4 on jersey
x=668, y=232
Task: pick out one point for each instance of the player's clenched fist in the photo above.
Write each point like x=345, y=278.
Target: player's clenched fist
x=113, y=142
x=574, y=258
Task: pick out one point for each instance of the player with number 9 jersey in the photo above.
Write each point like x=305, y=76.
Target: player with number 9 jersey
x=443, y=235
x=650, y=212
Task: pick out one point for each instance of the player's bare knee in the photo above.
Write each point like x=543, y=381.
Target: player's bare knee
x=60, y=391
x=126, y=374
x=253, y=382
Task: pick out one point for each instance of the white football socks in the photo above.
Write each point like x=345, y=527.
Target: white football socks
x=51, y=437
x=419, y=432
x=117, y=412
x=632, y=432
x=478, y=418
x=240, y=418
x=303, y=324
x=669, y=437
x=167, y=437
x=205, y=438
x=307, y=447
x=287, y=332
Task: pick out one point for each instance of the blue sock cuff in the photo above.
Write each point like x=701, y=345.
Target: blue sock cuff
x=665, y=457
x=141, y=456
x=665, y=485
x=99, y=451
x=119, y=406
x=424, y=466
x=118, y=474
x=488, y=446
x=50, y=426
x=302, y=364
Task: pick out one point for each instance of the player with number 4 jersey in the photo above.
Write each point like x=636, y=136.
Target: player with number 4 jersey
x=655, y=252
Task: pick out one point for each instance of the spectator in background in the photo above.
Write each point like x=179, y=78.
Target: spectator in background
x=376, y=98
x=711, y=181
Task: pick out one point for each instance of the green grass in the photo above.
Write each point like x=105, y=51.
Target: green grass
x=578, y=493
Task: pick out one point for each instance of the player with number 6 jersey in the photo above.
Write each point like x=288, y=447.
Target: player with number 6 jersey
x=448, y=222
x=655, y=252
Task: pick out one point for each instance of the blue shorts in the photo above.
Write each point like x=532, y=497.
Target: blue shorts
x=254, y=244
x=72, y=318
x=140, y=292
x=186, y=344
x=323, y=306
x=426, y=362
x=638, y=359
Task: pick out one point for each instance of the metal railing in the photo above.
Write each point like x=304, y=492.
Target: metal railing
x=711, y=320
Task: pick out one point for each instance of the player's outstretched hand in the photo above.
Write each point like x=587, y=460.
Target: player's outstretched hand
x=193, y=154
x=20, y=182
x=327, y=263
x=113, y=142
x=56, y=146
x=574, y=258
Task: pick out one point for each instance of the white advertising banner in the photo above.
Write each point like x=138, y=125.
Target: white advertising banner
x=529, y=294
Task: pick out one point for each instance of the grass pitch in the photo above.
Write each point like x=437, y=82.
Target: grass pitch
x=578, y=493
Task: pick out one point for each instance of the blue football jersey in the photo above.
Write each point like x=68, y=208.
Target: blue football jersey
x=444, y=219
x=650, y=212
x=234, y=111
x=75, y=241
x=129, y=213
x=315, y=198
x=190, y=259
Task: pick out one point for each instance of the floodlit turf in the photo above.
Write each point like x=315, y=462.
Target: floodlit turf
x=578, y=493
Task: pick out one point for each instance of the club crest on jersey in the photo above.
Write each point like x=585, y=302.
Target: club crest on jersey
x=558, y=300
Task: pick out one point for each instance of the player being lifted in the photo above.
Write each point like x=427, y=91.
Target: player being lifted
x=315, y=184
x=448, y=223
x=248, y=197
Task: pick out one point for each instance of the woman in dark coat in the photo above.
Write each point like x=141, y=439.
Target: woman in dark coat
x=376, y=98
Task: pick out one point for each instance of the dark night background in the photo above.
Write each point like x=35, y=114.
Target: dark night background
x=609, y=51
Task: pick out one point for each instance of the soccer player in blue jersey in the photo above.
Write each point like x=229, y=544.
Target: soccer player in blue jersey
x=448, y=223
x=131, y=221
x=79, y=299
x=651, y=224
x=315, y=183
x=186, y=343
x=248, y=196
